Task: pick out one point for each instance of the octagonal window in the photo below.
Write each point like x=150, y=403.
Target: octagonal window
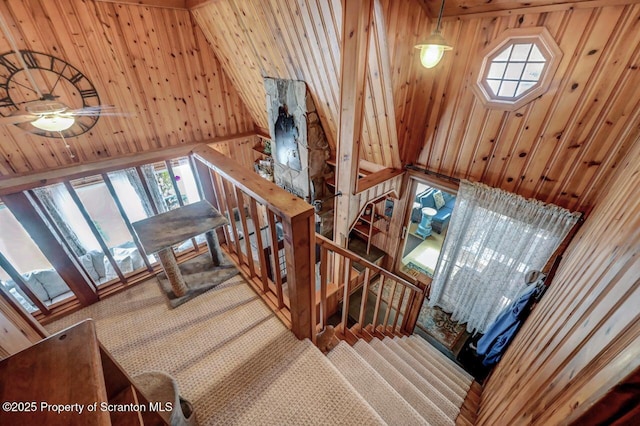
x=517, y=68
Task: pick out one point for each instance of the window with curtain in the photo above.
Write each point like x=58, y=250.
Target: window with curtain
x=494, y=238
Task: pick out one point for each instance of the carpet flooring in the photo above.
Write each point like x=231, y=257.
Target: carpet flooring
x=238, y=364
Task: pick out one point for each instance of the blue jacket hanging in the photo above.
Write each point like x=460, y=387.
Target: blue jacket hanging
x=492, y=345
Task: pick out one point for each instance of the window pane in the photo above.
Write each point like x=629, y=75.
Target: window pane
x=504, y=55
x=536, y=55
x=165, y=197
x=494, y=85
x=104, y=213
x=161, y=179
x=68, y=219
x=533, y=71
x=132, y=196
x=497, y=70
x=9, y=286
x=27, y=259
x=508, y=89
x=185, y=180
x=520, y=52
x=524, y=86
x=514, y=71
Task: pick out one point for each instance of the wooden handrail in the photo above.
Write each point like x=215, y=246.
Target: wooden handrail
x=324, y=242
x=236, y=188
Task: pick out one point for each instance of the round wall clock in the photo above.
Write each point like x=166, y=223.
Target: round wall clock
x=46, y=96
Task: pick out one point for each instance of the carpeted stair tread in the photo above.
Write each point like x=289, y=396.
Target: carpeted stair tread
x=425, y=358
x=448, y=388
x=446, y=360
x=268, y=377
x=232, y=358
x=433, y=389
x=383, y=398
x=418, y=400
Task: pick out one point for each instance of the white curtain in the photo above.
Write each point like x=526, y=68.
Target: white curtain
x=494, y=238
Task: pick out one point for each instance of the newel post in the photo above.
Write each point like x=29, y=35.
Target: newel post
x=299, y=246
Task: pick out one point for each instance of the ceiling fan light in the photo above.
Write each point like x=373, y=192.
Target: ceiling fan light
x=53, y=123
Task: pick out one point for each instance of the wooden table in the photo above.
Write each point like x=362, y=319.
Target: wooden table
x=159, y=233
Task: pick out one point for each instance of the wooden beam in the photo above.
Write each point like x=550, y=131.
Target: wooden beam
x=33, y=180
x=376, y=178
x=165, y=4
x=39, y=232
x=488, y=9
x=357, y=15
x=194, y=4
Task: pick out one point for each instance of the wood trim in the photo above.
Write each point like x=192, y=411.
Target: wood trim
x=126, y=220
x=22, y=209
x=94, y=230
x=17, y=278
x=369, y=181
x=33, y=180
x=569, y=5
x=266, y=193
x=164, y=4
x=18, y=314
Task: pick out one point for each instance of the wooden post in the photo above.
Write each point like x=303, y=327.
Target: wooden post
x=299, y=246
x=355, y=41
x=40, y=233
x=171, y=268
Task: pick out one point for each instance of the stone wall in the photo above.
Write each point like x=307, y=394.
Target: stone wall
x=299, y=146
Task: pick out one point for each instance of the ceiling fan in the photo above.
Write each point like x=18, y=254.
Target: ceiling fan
x=22, y=102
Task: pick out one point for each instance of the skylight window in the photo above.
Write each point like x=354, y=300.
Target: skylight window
x=517, y=68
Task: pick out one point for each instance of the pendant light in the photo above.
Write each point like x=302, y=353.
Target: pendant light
x=433, y=48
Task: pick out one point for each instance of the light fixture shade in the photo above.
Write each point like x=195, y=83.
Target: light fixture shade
x=53, y=123
x=432, y=50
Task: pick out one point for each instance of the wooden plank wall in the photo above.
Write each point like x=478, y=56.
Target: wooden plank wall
x=300, y=40
x=241, y=150
x=584, y=336
x=153, y=64
x=561, y=147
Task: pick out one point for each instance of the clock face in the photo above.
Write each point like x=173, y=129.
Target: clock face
x=57, y=80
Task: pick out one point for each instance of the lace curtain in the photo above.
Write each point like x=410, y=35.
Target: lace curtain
x=494, y=238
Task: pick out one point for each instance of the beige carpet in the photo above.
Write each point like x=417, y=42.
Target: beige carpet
x=239, y=365
x=232, y=358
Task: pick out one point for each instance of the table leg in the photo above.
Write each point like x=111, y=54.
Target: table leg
x=214, y=247
x=171, y=268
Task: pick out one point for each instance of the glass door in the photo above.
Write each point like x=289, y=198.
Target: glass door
x=425, y=229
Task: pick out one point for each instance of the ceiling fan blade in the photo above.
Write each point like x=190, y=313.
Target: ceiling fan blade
x=16, y=119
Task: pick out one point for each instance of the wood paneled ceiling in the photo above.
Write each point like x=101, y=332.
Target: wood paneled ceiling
x=153, y=64
x=192, y=70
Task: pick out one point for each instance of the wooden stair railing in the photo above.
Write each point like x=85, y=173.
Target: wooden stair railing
x=394, y=313
x=270, y=236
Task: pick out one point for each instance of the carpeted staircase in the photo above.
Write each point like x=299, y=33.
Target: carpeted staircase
x=238, y=364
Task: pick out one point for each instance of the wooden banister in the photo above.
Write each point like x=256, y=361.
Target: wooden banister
x=324, y=242
x=289, y=290
x=406, y=305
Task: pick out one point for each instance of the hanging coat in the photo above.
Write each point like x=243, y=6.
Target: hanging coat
x=501, y=332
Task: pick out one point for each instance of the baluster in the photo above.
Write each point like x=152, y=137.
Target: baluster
x=389, y=305
x=365, y=293
x=376, y=310
x=245, y=230
x=324, y=313
x=274, y=258
x=401, y=299
x=257, y=225
x=345, y=297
